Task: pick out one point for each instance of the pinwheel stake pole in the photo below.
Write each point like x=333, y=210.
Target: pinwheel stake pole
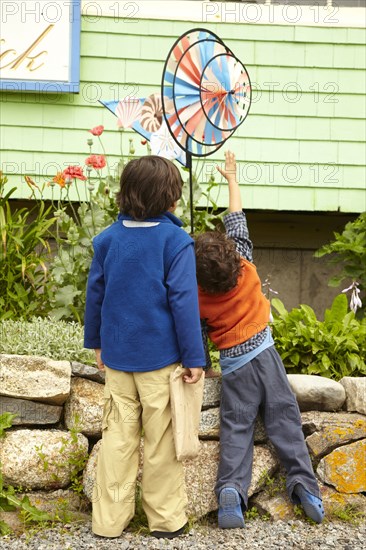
x=189, y=166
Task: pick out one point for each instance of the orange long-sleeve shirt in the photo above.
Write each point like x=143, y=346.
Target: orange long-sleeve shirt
x=236, y=316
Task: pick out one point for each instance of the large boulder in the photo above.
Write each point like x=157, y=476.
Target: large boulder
x=335, y=503
x=58, y=503
x=344, y=468
x=84, y=407
x=62, y=505
x=265, y=463
x=333, y=430
x=355, y=393
x=35, y=378
x=87, y=371
x=280, y=507
x=209, y=427
x=277, y=507
x=200, y=475
x=315, y=393
x=41, y=459
x=30, y=412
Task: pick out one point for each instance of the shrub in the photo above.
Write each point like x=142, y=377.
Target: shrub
x=333, y=348
x=77, y=225
x=59, y=340
x=24, y=253
x=349, y=250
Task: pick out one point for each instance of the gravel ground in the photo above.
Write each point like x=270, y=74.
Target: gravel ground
x=258, y=534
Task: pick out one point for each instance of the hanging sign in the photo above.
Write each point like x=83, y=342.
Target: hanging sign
x=40, y=45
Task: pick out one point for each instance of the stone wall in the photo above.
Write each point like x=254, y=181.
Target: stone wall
x=51, y=398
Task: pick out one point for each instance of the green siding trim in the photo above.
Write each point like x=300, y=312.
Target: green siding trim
x=240, y=31
x=301, y=148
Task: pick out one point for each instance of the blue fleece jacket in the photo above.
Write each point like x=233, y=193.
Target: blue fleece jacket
x=142, y=304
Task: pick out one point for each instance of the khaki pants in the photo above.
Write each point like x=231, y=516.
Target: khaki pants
x=133, y=401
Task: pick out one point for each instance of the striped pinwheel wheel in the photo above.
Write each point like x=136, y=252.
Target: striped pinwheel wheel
x=206, y=92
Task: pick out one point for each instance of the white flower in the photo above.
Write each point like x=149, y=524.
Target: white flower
x=355, y=301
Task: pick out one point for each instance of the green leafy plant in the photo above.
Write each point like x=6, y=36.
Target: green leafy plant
x=272, y=485
x=76, y=225
x=70, y=266
x=77, y=458
x=333, y=348
x=6, y=421
x=214, y=355
x=298, y=511
x=349, y=250
x=9, y=501
x=251, y=513
x=24, y=253
x=349, y=513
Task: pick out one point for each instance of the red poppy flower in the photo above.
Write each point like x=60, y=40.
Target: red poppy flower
x=73, y=172
x=96, y=161
x=97, y=131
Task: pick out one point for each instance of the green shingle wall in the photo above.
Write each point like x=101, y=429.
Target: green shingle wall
x=300, y=148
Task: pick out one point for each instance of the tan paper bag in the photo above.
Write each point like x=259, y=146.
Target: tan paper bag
x=186, y=404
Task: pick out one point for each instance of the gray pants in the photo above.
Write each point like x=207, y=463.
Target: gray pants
x=261, y=386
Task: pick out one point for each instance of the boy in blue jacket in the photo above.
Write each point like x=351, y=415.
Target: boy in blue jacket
x=142, y=318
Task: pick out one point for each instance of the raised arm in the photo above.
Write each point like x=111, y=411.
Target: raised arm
x=229, y=173
x=235, y=222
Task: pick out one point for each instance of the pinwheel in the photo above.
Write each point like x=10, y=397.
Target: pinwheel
x=145, y=116
x=206, y=94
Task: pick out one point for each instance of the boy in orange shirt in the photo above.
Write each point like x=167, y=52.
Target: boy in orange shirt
x=236, y=313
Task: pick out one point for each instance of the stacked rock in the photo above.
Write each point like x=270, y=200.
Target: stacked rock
x=59, y=408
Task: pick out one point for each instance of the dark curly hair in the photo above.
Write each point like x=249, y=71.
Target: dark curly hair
x=149, y=186
x=218, y=264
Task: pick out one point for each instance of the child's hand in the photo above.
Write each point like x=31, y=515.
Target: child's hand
x=191, y=376
x=230, y=167
x=229, y=173
x=98, y=358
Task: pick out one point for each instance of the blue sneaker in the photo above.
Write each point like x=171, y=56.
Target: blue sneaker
x=313, y=506
x=230, y=513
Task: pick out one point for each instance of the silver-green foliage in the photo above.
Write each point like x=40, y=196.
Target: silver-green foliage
x=59, y=340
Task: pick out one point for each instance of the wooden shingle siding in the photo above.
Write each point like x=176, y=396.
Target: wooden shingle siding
x=301, y=148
